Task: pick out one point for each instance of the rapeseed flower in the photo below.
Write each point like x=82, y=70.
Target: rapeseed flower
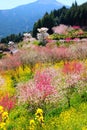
x=39, y=112
x=32, y=122
x=84, y=128
x=1, y=109
x=32, y=125
x=4, y=115
x=2, y=125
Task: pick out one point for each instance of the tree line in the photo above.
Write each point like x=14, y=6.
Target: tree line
x=76, y=15
x=13, y=37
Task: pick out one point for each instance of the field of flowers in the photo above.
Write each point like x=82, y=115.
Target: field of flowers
x=44, y=87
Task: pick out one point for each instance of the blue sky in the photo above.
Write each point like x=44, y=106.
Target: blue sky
x=7, y=4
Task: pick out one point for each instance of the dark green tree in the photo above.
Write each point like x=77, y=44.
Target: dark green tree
x=37, y=25
x=48, y=21
x=13, y=37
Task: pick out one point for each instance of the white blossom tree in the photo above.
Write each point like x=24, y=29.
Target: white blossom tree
x=42, y=35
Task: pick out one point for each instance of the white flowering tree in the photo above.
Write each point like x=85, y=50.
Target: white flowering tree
x=27, y=37
x=42, y=35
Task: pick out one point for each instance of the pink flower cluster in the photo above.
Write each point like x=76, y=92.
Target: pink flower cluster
x=43, y=84
x=72, y=67
x=73, y=79
x=10, y=62
x=37, y=90
x=61, y=29
x=76, y=27
x=7, y=102
x=68, y=39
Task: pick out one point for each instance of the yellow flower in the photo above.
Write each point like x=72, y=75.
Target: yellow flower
x=40, y=119
x=39, y=111
x=39, y=116
x=1, y=109
x=32, y=122
x=32, y=125
x=4, y=115
x=2, y=125
x=84, y=128
x=59, y=65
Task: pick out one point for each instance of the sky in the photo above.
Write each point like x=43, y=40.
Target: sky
x=8, y=4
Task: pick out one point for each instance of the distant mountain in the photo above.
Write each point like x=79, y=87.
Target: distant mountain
x=22, y=18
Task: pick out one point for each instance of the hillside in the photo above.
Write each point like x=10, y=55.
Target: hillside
x=45, y=87
x=22, y=18
x=75, y=15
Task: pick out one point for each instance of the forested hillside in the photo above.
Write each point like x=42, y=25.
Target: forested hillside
x=76, y=15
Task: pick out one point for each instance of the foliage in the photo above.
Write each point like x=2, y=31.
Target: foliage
x=74, y=119
x=18, y=118
x=13, y=37
x=47, y=21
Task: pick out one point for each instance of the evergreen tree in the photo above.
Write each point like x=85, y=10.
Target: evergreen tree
x=48, y=21
x=76, y=15
x=37, y=25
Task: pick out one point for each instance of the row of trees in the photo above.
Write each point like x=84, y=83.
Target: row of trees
x=13, y=37
x=76, y=15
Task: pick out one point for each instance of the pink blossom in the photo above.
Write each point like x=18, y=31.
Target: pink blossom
x=37, y=90
x=7, y=102
x=61, y=29
x=68, y=39
x=76, y=39
x=72, y=67
x=43, y=84
x=11, y=61
x=76, y=27
x=80, y=33
x=73, y=79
